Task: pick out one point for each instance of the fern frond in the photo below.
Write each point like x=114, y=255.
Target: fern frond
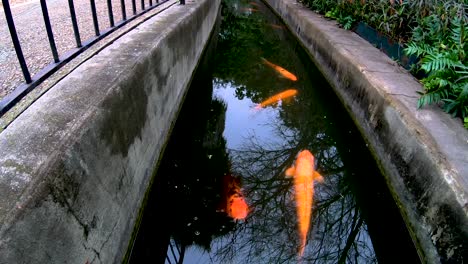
x=430, y=98
x=458, y=32
x=418, y=49
x=439, y=61
x=463, y=96
x=450, y=106
x=462, y=72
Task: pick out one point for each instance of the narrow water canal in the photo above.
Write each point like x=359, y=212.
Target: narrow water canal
x=227, y=191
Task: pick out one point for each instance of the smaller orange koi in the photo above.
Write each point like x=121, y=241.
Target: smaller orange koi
x=233, y=202
x=249, y=10
x=254, y=4
x=280, y=70
x=277, y=97
x=276, y=26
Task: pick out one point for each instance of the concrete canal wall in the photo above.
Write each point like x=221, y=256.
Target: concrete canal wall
x=422, y=153
x=76, y=165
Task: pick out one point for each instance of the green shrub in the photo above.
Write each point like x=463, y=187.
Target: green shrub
x=442, y=50
x=434, y=30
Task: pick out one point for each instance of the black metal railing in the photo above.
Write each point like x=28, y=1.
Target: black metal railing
x=30, y=82
x=175, y=253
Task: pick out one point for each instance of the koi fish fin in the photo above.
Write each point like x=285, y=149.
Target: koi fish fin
x=290, y=172
x=318, y=177
x=267, y=62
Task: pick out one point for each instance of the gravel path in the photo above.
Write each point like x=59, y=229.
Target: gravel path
x=29, y=24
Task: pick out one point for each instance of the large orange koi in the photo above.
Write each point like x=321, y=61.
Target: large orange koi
x=304, y=175
x=280, y=70
x=275, y=98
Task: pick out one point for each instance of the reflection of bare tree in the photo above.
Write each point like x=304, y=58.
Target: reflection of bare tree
x=269, y=234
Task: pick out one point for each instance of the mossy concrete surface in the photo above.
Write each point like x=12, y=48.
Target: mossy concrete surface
x=422, y=153
x=74, y=167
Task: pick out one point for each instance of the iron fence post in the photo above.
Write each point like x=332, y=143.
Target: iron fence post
x=124, y=13
x=50, y=35
x=95, y=19
x=76, y=31
x=111, y=14
x=134, y=7
x=15, y=40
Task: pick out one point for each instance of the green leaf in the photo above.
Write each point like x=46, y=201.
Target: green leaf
x=438, y=62
x=464, y=92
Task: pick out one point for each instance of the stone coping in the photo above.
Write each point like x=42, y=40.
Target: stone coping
x=76, y=165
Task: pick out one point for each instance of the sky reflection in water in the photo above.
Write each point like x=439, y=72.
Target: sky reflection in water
x=243, y=120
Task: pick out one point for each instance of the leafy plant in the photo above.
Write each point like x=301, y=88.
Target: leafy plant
x=444, y=60
x=345, y=20
x=436, y=32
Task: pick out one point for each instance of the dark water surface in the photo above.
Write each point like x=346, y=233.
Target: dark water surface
x=223, y=138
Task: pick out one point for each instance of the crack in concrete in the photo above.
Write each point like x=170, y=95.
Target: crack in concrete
x=64, y=203
x=348, y=45
x=109, y=236
x=367, y=70
x=405, y=95
x=96, y=253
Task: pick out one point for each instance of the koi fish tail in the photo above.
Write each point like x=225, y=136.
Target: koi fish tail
x=267, y=62
x=302, y=246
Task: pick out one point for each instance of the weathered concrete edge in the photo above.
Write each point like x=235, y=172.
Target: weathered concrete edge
x=75, y=166
x=423, y=153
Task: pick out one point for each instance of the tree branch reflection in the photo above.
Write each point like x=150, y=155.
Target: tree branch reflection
x=338, y=233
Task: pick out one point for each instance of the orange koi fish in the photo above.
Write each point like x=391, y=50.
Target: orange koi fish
x=254, y=4
x=280, y=70
x=233, y=202
x=275, y=98
x=276, y=26
x=304, y=176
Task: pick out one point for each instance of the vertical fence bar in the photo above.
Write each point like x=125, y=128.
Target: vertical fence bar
x=174, y=256
x=181, y=255
x=124, y=12
x=76, y=31
x=182, y=2
x=50, y=35
x=134, y=7
x=95, y=20
x=150, y=2
x=15, y=40
x=111, y=14
x=142, y=4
